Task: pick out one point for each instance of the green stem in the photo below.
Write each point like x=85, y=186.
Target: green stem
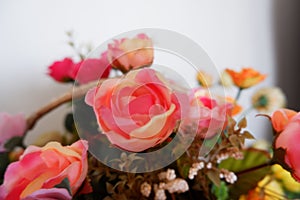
x=254, y=168
x=238, y=94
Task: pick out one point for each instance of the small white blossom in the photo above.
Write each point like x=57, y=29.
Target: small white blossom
x=178, y=185
x=146, y=189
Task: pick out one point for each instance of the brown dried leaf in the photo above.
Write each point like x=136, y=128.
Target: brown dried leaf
x=109, y=188
x=248, y=135
x=214, y=176
x=242, y=123
x=234, y=140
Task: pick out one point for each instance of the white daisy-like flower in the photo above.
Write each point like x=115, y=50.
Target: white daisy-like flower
x=268, y=99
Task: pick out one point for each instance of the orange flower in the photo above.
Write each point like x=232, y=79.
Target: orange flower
x=236, y=107
x=246, y=78
x=281, y=118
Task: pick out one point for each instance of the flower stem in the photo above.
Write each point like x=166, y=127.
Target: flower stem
x=238, y=94
x=67, y=97
x=254, y=168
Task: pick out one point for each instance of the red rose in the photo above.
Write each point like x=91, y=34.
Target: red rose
x=83, y=72
x=62, y=71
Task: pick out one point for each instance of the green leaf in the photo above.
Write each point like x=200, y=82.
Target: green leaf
x=65, y=184
x=13, y=142
x=248, y=174
x=183, y=166
x=4, y=162
x=221, y=192
x=69, y=123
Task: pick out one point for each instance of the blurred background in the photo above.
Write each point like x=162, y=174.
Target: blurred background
x=263, y=34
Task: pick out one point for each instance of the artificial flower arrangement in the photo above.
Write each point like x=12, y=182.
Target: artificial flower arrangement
x=139, y=135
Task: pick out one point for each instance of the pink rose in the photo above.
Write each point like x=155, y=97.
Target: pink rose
x=42, y=168
x=11, y=126
x=91, y=69
x=137, y=111
x=209, y=114
x=288, y=140
x=62, y=71
x=126, y=54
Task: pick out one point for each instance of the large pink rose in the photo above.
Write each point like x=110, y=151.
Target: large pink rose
x=137, y=111
x=289, y=140
x=11, y=126
x=209, y=114
x=41, y=168
x=126, y=54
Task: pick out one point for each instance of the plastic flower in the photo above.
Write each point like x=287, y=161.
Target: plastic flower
x=210, y=114
x=226, y=79
x=40, y=169
x=267, y=189
x=91, y=69
x=62, y=71
x=268, y=99
x=126, y=54
x=136, y=111
x=287, y=148
x=204, y=79
x=281, y=117
x=285, y=177
x=84, y=71
x=246, y=78
x=236, y=109
x=11, y=126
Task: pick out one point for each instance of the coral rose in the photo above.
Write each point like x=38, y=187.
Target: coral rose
x=246, y=78
x=287, y=148
x=126, y=54
x=137, y=111
x=281, y=117
x=41, y=169
x=11, y=126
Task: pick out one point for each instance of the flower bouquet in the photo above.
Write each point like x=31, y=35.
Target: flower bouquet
x=140, y=130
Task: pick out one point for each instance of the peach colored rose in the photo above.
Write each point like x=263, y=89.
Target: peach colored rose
x=11, y=126
x=281, y=117
x=41, y=168
x=246, y=78
x=137, y=111
x=209, y=114
x=126, y=54
x=288, y=140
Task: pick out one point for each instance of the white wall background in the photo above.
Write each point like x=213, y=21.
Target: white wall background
x=234, y=33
